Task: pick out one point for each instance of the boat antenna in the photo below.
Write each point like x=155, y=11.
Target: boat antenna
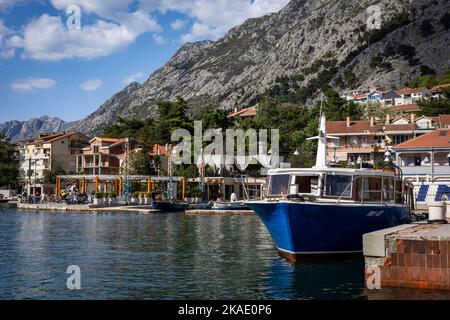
x=321, y=104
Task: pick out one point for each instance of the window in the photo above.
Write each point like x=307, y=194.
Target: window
x=336, y=185
x=279, y=184
x=399, y=192
x=364, y=140
x=388, y=190
x=368, y=189
x=96, y=149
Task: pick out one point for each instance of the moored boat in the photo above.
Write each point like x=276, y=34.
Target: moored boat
x=237, y=205
x=169, y=206
x=327, y=210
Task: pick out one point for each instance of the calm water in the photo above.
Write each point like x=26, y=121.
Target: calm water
x=159, y=256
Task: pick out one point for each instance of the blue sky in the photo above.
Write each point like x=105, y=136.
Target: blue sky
x=47, y=68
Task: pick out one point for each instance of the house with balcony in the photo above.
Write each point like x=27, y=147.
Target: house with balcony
x=412, y=95
x=47, y=152
x=357, y=139
x=426, y=157
x=102, y=156
x=368, y=140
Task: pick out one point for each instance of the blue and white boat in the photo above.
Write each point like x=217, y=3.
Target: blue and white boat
x=327, y=210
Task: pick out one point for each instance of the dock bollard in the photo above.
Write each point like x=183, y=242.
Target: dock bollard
x=436, y=213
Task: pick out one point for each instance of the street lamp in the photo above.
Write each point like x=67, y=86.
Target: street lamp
x=360, y=162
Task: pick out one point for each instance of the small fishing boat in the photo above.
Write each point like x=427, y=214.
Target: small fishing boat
x=237, y=205
x=327, y=210
x=169, y=206
x=161, y=201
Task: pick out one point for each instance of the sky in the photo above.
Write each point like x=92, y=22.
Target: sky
x=64, y=58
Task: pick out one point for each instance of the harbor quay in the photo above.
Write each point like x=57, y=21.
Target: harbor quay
x=414, y=256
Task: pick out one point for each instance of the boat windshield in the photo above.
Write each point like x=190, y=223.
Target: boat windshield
x=338, y=186
x=279, y=184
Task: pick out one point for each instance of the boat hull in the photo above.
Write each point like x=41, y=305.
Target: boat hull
x=317, y=229
x=168, y=206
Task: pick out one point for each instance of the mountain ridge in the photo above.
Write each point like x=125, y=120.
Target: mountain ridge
x=317, y=42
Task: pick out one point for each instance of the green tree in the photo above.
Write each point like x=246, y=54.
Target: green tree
x=142, y=163
x=9, y=169
x=337, y=108
x=51, y=175
x=215, y=119
x=124, y=128
x=435, y=107
x=172, y=115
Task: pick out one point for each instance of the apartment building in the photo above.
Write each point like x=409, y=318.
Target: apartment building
x=45, y=153
x=102, y=156
x=368, y=140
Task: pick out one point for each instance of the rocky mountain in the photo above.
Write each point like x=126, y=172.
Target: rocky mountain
x=21, y=130
x=345, y=44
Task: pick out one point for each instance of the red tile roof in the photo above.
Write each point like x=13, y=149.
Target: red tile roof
x=159, y=150
x=437, y=139
x=408, y=90
x=405, y=108
x=444, y=120
x=400, y=127
x=439, y=88
x=112, y=140
x=248, y=112
x=361, y=126
x=51, y=137
x=361, y=96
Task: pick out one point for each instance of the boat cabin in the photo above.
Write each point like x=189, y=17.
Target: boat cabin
x=339, y=185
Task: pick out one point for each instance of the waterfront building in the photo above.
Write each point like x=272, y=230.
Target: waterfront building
x=368, y=140
x=48, y=152
x=101, y=157
x=425, y=161
x=426, y=157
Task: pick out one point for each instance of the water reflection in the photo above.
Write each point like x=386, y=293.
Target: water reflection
x=160, y=256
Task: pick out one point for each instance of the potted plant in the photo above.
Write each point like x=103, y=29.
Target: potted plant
x=147, y=197
x=98, y=200
x=113, y=198
x=141, y=198
x=135, y=197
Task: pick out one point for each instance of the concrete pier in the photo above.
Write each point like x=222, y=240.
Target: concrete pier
x=409, y=256
x=55, y=207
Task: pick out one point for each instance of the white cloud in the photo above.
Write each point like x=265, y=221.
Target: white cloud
x=115, y=26
x=213, y=18
x=30, y=84
x=5, y=52
x=159, y=39
x=133, y=77
x=178, y=24
x=91, y=85
x=47, y=38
